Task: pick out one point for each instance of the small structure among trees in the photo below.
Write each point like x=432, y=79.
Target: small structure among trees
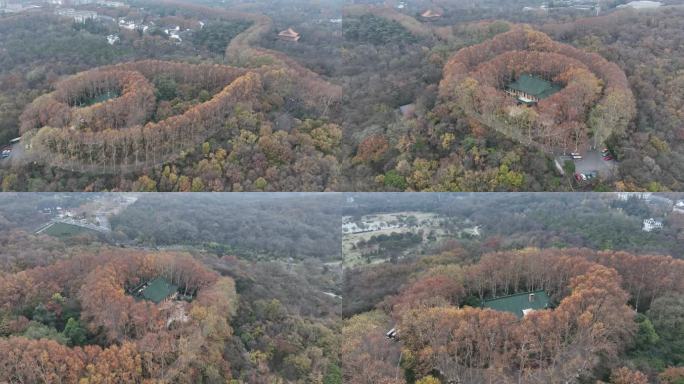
x=529, y=89
x=519, y=304
x=430, y=15
x=289, y=35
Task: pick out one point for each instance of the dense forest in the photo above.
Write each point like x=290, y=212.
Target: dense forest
x=249, y=225
x=237, y=320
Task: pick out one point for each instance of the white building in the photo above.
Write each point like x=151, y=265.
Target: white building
x=368, y=226
x=644, y=4
x=111, y=4
x=679, y=206
x=112, y=39
x=652, y=224
x=624, y=196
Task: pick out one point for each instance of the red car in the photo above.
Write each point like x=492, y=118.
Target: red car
x=607, y=157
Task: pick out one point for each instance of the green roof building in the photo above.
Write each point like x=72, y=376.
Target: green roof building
x=520, y=304
x=530, y=89
x=157, y=290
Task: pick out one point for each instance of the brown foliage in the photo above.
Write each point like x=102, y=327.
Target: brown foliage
x=372, y=149
x=475, y=345
x=596, y=96
x=145, y=344
x=591, y=319
x=625, y=375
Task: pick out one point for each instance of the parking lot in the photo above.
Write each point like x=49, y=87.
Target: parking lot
x=15, y=157
x=593, y=161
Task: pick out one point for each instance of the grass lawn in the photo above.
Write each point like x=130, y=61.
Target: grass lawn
x=66, y=230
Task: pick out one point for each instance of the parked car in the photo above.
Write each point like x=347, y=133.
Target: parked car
x=5, y=153
x=576, y=155
x=607, y=157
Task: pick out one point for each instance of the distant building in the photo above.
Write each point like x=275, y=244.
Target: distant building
x=430, y=15
x=367, y=226
x=127, y=24
x=408, y=111
x=111, y=4
x=679, y=206
x=289, y=35
x=624, y=196
x=641, y=4
x=652, y=224
x=18, y=7
x=520, y=304
x=530, y=89
x=112, y=39
x=78, y=16
x=174, y=33
x=156, y=291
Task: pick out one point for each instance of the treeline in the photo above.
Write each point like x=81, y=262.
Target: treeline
x=132, y=104
x=263, y=227
x=517, y=220
x=138, y=145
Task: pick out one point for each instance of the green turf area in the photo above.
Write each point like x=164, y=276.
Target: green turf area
x=158, y=290
x=519, y=302
x=66, y=230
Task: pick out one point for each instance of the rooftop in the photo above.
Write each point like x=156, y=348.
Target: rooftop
x=157, y=290
x=430, y=14
x=535, y=86
x=519, y=303
x=289, y=33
